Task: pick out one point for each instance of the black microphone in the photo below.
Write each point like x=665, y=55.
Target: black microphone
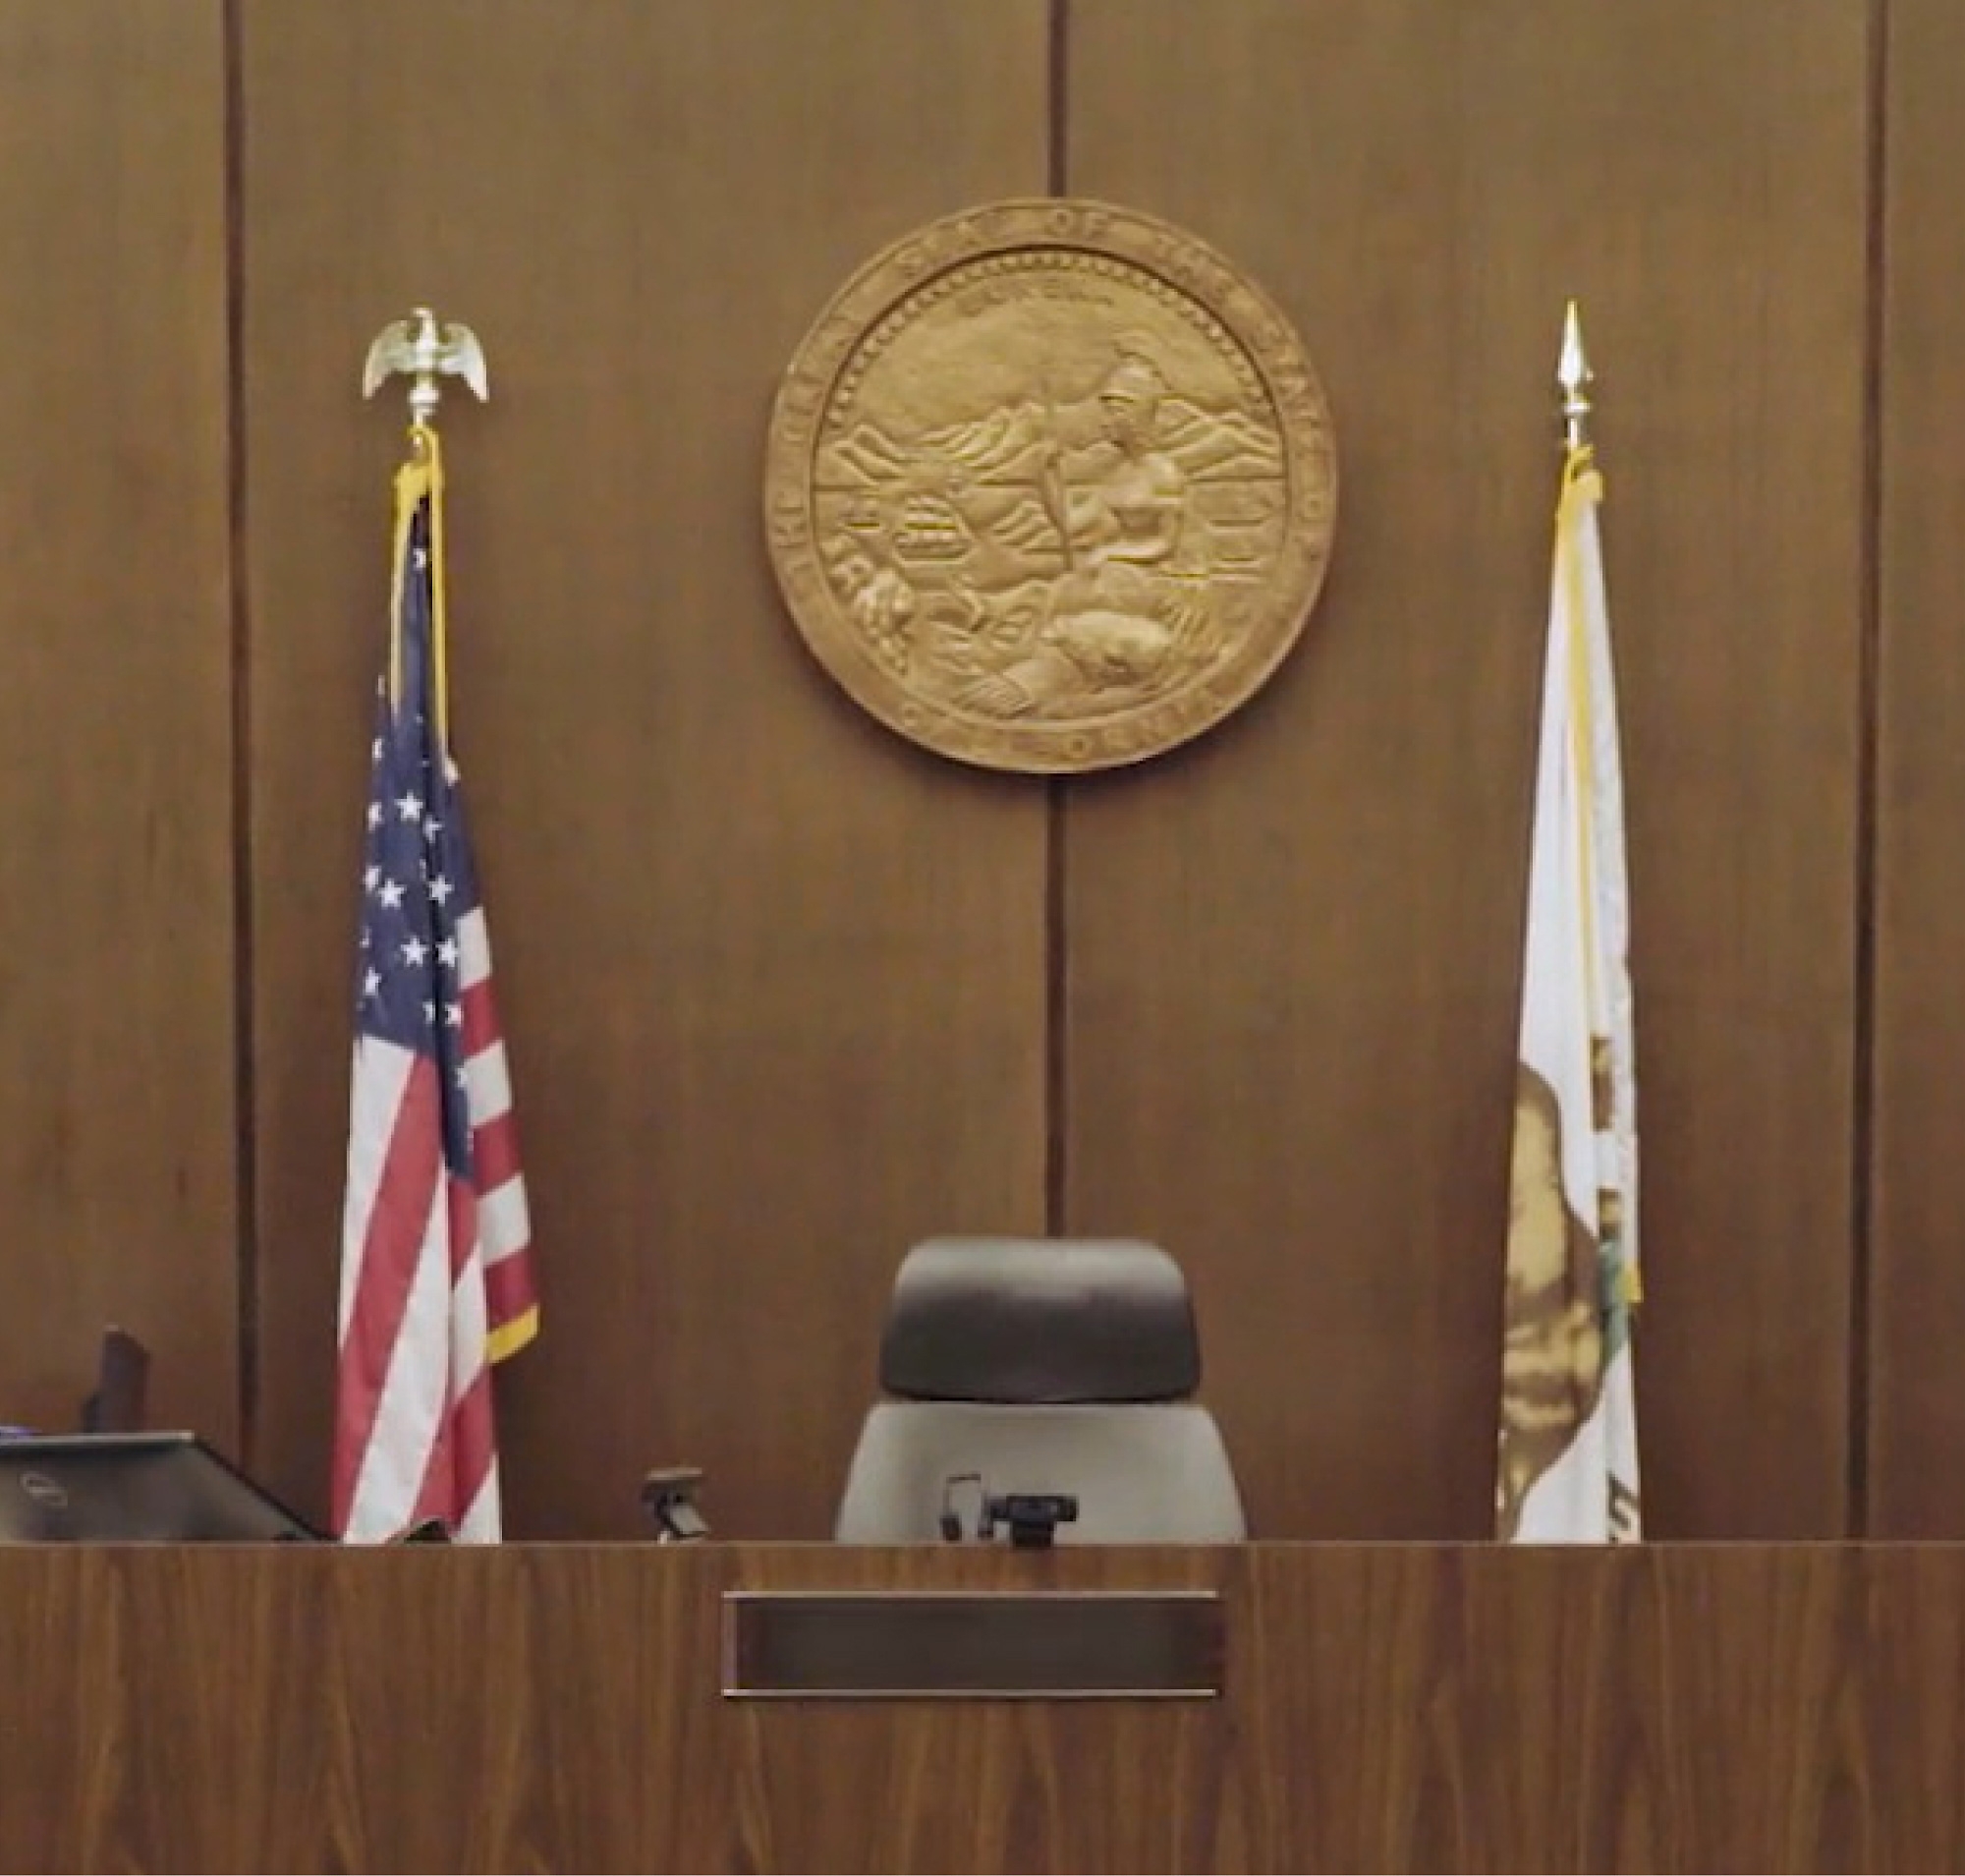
x=668, y=1496
x=429, y=1530
x=1033, y=1517
x=950, y=1519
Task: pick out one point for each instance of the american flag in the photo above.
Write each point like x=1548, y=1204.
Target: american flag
x=437, y=1281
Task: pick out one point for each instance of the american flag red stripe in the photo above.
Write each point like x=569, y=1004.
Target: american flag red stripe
x=437, y=1281
x=384, y=1225
x=497, y=1148
x=507, y=1224
x=463, y=1456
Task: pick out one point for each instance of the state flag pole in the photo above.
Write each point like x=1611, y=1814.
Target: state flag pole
x=1567, y=1462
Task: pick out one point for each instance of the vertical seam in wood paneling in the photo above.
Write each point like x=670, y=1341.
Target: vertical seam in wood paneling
x=244, y=977
x=1059, y=168
x=1057, y=1078
x=1862, y=1192
x=1057, y=935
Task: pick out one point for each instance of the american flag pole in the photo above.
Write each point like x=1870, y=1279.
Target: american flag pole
x=436, y=1282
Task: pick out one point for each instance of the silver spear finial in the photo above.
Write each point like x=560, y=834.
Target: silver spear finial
x=1573, y=374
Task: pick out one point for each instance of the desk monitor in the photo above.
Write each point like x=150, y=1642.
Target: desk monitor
x=135, y=1488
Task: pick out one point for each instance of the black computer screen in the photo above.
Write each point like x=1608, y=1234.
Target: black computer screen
x=133, y=1488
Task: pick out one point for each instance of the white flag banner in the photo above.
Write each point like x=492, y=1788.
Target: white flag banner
x=1568, y=1458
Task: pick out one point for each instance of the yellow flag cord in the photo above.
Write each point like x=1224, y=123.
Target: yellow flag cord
x=420, y=480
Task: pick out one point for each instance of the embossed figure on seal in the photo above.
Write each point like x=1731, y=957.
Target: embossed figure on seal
x=1051, y=503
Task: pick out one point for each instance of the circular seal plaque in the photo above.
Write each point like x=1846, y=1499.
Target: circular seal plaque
x=1051, y=486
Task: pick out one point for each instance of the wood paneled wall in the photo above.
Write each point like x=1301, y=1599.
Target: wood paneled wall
x=119, y=1157
x=1295, y=956
x=1917, y=1418
x=783, y=992
x=773, y=981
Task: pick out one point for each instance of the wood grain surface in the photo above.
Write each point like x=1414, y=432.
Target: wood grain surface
x=1294, y=952
x=784, y=993
x=118, y=1115
x=1386, y=1708
x=772, y=979
x=1916, y=1394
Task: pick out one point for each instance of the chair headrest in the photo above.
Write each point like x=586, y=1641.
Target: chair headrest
x=1039, y=1321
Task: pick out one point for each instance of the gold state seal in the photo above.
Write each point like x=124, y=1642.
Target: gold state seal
x=1051, y=486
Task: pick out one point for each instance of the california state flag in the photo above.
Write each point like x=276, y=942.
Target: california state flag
x=1568, y=1461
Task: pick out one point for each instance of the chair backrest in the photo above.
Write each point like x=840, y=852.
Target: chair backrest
x=1042, y=1366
